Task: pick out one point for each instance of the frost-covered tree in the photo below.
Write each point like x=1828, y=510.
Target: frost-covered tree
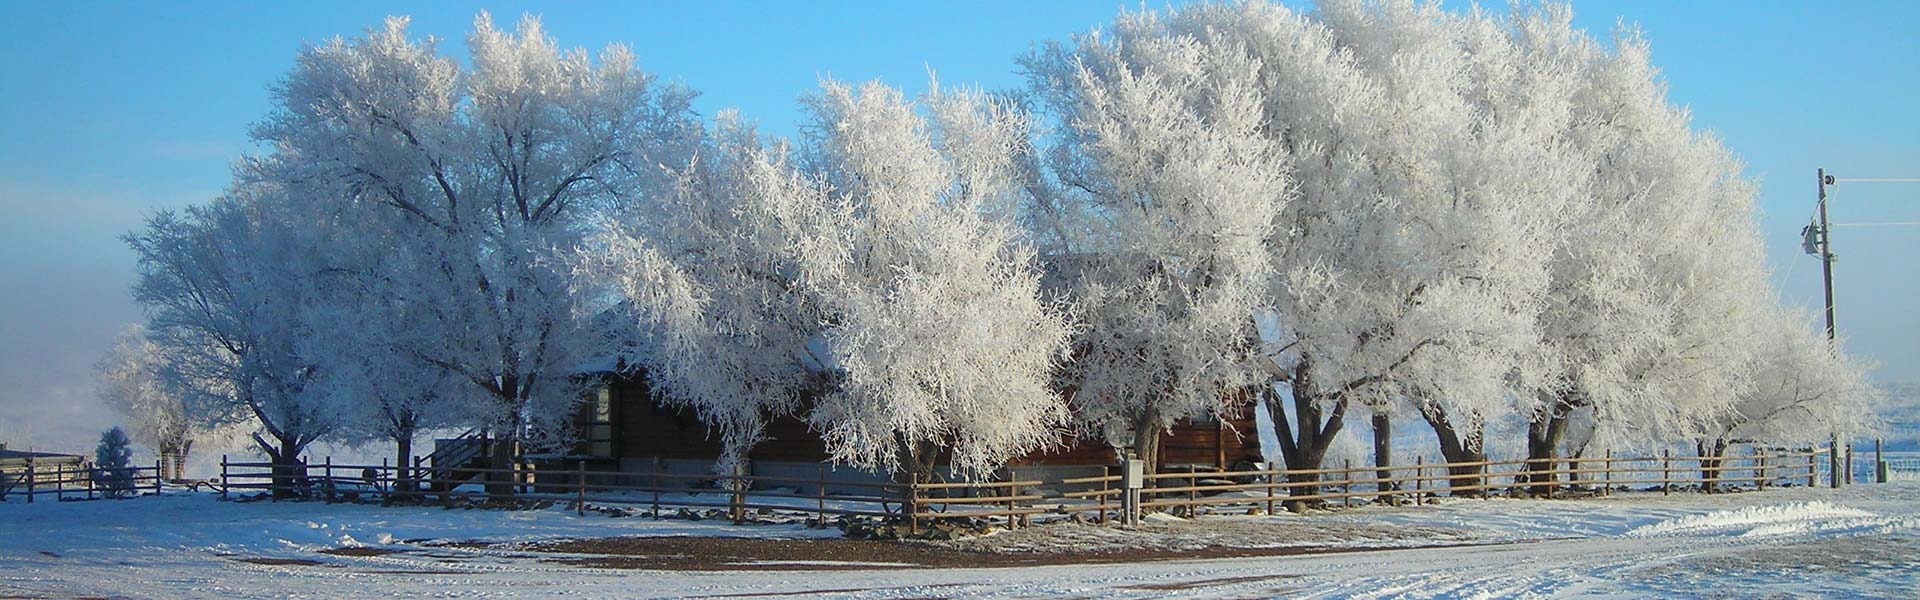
x=1657, y=280
x=1802, y=391
x=128, y=379
x=872, y=285
x=230, y=290
x=1165, y=193
x=482, y=176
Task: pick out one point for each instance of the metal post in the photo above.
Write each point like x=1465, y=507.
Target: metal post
x=580, y=499
x=820, y=494
x=654, y=478
x=1849, y=462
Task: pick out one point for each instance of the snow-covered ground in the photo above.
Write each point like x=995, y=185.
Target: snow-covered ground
x=1858, y=542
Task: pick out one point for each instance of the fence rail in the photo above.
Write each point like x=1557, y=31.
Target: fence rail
x=655, y=490
x=1013, y=501
x=66, y=480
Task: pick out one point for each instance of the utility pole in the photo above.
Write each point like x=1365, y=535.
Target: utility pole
x=1817, y=240
x=1826, y=279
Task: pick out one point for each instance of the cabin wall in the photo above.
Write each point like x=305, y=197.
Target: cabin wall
x=645, y=430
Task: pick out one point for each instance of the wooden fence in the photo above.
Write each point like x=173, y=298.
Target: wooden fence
x=64, y=480
x=1199, y=492
x=1015, y=501
x=656, y=490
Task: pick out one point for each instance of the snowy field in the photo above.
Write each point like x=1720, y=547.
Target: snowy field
x=1858, y=542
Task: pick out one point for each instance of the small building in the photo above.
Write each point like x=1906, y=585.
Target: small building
x=622, y=426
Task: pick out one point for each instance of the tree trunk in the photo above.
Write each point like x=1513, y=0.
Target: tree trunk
x=289, y=475
x=403, y=464
x=1383, y=452
x=1543, y=442
x=1305, y=446
x=173, y=459
x=1146, y=443
x=505, y=445
x=500, y=463
x=917, y=463
x=1455, y=450
x=1711, y=457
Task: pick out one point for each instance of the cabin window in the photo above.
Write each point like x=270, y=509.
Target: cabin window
x=599, y=429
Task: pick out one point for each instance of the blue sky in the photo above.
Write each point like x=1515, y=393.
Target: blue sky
x=113, y=110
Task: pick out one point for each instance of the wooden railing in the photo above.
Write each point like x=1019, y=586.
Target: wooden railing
x=656, y=490
x=1014, y=501
x=65, y=480
x=1195, y=492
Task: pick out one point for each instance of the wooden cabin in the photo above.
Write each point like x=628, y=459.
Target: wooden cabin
x=622, y=426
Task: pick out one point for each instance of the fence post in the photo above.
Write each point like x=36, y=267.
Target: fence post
x=912, y=507
x=59, y=482
x=1666, y=472
x=156, y=477
x=1105, y=471
x=1879, y=463
x=89, y=484
x=1606, y=474
x=820, y=494
x=1552, y=474
x=326, y=478
x=224, y=482
x=1193, y=481
x=654, y=479
x=1833, y=461
x=736, y=504
x=1419, y=470
x=31, y=476
x=580, y=499
x=1272, y=475
x=1012, y=491
x=1346, y=482
x=1813, y=466
x=1849, y=463
x=1763, y=469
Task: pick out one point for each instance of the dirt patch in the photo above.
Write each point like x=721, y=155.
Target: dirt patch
x=281, y=562
x=360, y=551
x=731, y=554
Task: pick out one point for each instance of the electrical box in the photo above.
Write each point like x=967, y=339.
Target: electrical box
x=1133, y=474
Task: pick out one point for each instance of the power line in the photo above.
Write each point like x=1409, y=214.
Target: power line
x=1880, y=224
x=1877, y=180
